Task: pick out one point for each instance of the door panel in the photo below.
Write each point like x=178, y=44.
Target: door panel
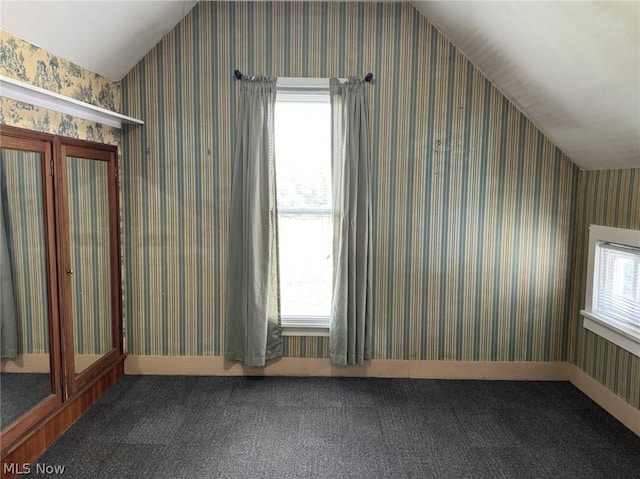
x=29, y=333
x=89, y=249
x=60, y=293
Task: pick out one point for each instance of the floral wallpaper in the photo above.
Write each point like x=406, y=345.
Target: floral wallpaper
x=28, y=63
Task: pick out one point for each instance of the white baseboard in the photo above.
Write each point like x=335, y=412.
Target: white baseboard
x=608, y=400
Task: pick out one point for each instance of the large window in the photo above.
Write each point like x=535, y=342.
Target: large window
x=303, y=179
x=612, y=306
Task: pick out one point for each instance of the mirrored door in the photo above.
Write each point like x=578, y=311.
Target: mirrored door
x=91, y=260
x=29, y=347
x=60, y=294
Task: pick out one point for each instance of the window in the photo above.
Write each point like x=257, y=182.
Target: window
x=303, y=179
x=612, y=306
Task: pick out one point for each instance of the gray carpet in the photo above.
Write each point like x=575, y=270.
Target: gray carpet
x=19, y=392
x=241, y=427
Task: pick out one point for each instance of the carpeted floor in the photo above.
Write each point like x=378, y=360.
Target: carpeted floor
x=241, y=427
x=19, y=392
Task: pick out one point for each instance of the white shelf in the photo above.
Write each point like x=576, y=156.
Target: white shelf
x=17, y=90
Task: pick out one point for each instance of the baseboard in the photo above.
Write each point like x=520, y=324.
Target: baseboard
x=389, y=368
x=26, y=363
x=489, y=370
x=40, y=363
x=83, y=361
x=608, y=400
x=395, y=368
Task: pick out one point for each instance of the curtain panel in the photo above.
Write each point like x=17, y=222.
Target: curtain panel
x=8, y=313
x=350, y=337
x=252, y=329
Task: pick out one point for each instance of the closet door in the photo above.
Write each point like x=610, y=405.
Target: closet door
x=30, y=379
x=89, y=252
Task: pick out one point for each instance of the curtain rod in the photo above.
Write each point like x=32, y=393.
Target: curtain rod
x=367, y=78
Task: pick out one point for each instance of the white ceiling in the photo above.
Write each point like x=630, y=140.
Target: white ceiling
x=107, y=37
x=572, y=67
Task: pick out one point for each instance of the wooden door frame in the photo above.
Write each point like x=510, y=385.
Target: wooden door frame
x=92, y=152
x=34, y=431
x=16, y=139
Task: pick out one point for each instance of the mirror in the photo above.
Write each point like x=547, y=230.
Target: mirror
x=60, y=294
x=25, y=378
x=90, y=259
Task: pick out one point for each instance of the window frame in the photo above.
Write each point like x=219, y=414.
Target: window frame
x=303, y=90
x=621, y=333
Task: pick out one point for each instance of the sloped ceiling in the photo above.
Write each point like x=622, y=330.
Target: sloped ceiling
x=572, y=67
x=106, y=37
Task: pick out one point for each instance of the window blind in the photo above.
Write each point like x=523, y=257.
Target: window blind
x=305, y=321
x=617, y=288
x=303, y=90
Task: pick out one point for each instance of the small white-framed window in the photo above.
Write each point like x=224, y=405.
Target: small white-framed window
x=304, y=199
x=612, y=300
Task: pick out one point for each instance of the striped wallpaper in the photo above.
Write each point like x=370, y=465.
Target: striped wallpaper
x=88, y=200
x=21, y=197
x=607, y=198
x=472, y=205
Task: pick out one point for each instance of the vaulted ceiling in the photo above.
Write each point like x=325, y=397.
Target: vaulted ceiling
x=572, y=67
x=106, y=37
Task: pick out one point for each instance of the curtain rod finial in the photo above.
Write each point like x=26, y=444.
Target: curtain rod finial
x=238, y=74
x=369, y=77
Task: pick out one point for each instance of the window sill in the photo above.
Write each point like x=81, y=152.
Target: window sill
x=305, y=331
x=619, y=333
